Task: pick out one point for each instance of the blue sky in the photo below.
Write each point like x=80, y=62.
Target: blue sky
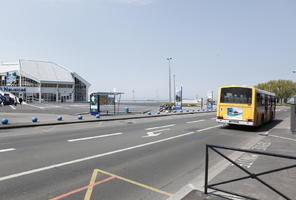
x=124, y=44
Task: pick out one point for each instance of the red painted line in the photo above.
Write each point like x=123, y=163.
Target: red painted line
x=82, y=188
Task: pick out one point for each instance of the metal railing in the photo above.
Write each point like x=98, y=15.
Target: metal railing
x=250, y=175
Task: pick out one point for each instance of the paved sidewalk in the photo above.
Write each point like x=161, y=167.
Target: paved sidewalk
x=279, y=140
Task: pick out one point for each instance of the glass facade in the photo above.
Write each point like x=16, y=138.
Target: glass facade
x=80, y=91
x=50, y=92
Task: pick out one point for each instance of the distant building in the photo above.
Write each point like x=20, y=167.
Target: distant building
x=42, y=81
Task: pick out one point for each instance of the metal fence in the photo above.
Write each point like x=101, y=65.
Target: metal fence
x=250, y=175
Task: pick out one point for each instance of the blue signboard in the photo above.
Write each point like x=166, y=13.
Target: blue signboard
x=94, y=104
x=11, y=78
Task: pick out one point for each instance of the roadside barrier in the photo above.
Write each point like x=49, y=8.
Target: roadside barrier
x=79, y=117
x=98, y=116
x=249, y=175
x=34, y=119
x=4, y=121
x=59, y=118
x=148, y=113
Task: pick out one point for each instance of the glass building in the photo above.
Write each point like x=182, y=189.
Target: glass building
x=42, y=81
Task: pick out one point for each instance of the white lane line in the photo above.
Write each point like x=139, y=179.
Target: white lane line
x=204, y=129
x=93, y=137
x=6, y=150
x=12, y=107
x=166, y=126
x=213, y=118
x=285, y=138
x=191, y=122
x=96, y=156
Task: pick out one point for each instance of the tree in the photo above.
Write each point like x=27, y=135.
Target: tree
x=283, y=89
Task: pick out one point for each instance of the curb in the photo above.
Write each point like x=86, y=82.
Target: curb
x=93, y=120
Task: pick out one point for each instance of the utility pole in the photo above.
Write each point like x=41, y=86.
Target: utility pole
x=170, y=87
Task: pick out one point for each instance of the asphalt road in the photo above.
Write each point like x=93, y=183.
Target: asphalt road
x=160, y=154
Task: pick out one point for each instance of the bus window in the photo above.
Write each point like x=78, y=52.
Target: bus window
x=236, y=95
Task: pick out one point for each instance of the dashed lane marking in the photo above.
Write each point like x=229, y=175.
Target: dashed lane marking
x=36, y=170
x=6, y=150
x=94, y=137
x=166, y=126
x=191, y=122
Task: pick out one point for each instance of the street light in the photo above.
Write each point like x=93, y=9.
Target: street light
x=170, y=89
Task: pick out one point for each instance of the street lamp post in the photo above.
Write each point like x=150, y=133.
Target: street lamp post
x=170, y=89
x=174, y=77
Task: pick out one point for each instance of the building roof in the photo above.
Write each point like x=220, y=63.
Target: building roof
x=46, y=71
x=42, y=71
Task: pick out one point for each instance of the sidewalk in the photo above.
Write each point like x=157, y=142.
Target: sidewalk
x=279, y=140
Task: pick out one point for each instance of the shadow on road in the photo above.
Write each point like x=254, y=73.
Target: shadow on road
x=263, y=128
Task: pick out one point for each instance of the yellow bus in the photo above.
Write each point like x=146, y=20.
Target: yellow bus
x=244, y=105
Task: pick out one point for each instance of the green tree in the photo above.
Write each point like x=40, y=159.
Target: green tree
x=283, y=89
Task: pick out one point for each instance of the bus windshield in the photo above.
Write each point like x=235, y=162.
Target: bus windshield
x=236, y=95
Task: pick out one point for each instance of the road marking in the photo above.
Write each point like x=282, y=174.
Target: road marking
x=191, y=122
x=81, y=189
x=209, y=128
x=6, y=150
x=166, y=126
x=90, y=189
x=213, y=118
x=35, y=106
x=285, y=138
x=135, y=183
x=12, y=107
x=156, y=133
x=33, y=171
x=93, y=137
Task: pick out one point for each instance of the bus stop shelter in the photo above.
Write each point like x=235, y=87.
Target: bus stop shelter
x=105, y=103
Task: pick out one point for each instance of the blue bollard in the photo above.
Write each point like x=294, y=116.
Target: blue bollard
x=174, y=111
x=126, y=110
x=80, y=117
x=98, y=116
x=34, y=119
x=181, y=110
x=4, y=121
x=59, y=118
x=158, y=113
x=188, y=110
x=148, y=113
